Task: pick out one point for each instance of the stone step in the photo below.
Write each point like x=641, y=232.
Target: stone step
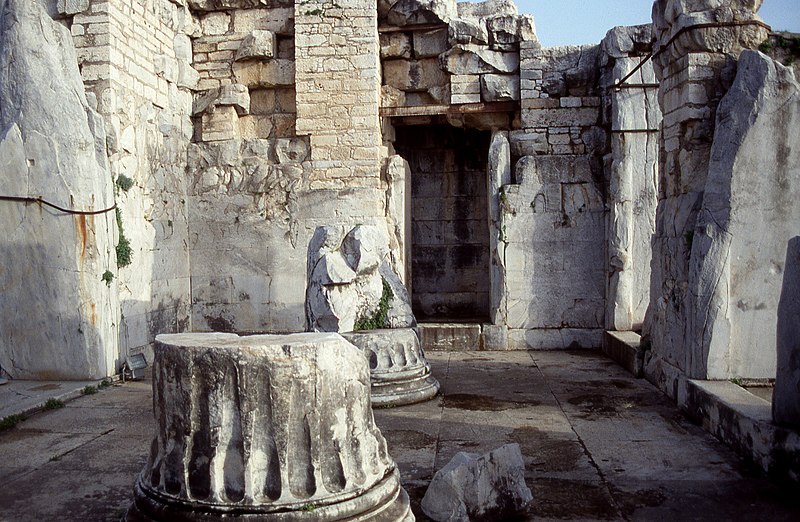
x=462, y=336
x=625, y=348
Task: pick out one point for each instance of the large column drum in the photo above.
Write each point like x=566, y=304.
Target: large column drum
x=265, y=428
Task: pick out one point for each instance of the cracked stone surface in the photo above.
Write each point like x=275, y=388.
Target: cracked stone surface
x=597, y=444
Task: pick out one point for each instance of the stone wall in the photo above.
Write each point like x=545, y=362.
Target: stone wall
x=631, y=165
x=553, y=213
x=135, y=58
x=698, y=45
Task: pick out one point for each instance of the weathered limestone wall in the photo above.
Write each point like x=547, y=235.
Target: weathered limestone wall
x=135, y=57
x=553, y=213
x=58, y=316
x=695, y=65
x=289, y=140
x=247, y=168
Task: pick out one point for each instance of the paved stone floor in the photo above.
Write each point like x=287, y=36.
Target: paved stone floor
x=598, y=444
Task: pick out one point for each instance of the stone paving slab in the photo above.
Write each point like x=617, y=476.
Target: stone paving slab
x=598, y=445
x=23, y=397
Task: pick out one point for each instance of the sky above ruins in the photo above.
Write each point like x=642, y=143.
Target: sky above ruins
x=566, y=22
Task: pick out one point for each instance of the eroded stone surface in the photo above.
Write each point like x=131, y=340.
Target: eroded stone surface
x=264, y=427
x=350, y=277
x=58, y=318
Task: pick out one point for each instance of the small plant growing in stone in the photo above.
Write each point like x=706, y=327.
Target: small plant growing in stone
x=738, y=381
x=124, y=183
x=105, y=383
x=107, y=277
x=89, y=390
x=124, y=251
x=53, y=404
x=6, y=423
x=379, y=318
x=308, y=508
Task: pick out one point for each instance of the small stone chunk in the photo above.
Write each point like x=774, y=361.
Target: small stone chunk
x=479, y=487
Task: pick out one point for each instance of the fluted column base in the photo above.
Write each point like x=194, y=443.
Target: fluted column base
x=399, y=372
x=387, y=501
x=265, y=427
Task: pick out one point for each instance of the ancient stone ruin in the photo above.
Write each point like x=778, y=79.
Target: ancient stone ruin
x=236, y=154
x=265, y=427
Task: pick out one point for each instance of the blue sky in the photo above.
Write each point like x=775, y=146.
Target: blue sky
x=564, y=22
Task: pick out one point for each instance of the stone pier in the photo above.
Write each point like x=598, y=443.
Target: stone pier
x=265, y=428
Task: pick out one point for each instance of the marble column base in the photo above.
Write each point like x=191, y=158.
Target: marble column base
x=265, y=427
x=399, y=372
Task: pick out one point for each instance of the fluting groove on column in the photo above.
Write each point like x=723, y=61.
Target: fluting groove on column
x=273, y=428
x=399, y=372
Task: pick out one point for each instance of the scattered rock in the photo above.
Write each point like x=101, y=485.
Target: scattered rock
x=479, y=487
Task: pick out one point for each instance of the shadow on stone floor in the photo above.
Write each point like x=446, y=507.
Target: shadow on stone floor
x=598, y=445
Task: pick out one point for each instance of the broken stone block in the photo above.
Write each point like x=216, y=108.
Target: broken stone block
x=499, y=87
x=374, y=298
x=486, y=9
x=479, y=487
x=467, y=31
x=412, y=12
x=786, y=395
x=234, y=95
x=71, y=7
x=264, y=74
x=414, y=75
x=506, y=32
x=265, y=427
x=474, y=59
x=399, y=372
x=220, y=124
x=395, y=45
x=259, y=44
x=430, y=44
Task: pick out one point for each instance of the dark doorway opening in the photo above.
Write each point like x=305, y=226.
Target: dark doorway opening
x=450, y=278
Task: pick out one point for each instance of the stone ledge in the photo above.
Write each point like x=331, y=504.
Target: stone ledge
x=625, y=349
x=744, y=422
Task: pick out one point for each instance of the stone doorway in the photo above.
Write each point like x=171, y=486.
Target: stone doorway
x=450, y=277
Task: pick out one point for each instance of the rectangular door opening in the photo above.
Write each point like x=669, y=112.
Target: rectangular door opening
x=450, y=277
